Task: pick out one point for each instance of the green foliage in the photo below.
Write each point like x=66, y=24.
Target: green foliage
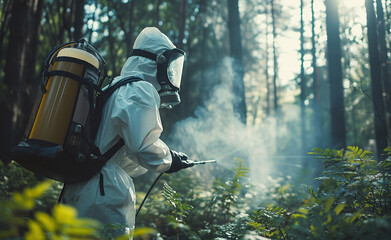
x=201, y=210
x=180, y=209
x=270, y=222
x=353, y=201
x=19, y=218
x=30, y=213
x=14, y=179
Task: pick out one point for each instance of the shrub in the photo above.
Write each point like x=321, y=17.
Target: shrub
x=353, y=201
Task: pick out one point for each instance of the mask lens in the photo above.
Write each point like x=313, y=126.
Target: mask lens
x=174, y=68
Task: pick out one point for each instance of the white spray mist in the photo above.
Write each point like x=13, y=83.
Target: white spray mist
x=216, y=132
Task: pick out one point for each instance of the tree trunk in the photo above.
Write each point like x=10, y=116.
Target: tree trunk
x=129, y=32
x=111, y=47
x=204, y=49
x=267, y=76
x=5, y=10
x=275, y=62
x=237, y=55
x=384, y=62
x=317, y=120
x=157, y=12
x=77, y=19
x=376, y=85
x=337, y=109
x=19, y=70
x=182, y=23
x=303, y=82
x=122, y=20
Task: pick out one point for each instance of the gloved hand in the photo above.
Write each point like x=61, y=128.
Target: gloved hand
x=179, y=161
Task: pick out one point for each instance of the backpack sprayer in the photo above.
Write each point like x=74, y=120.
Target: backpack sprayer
x=158, y=177
x=56, y=143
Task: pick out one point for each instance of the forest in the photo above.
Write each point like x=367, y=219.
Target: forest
x=291, y=98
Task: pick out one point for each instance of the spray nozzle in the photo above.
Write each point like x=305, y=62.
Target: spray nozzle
x=204, y=162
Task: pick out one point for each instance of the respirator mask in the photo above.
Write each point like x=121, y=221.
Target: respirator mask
x=169, y=73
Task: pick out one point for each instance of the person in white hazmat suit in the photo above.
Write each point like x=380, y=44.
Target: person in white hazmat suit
x=132, y=113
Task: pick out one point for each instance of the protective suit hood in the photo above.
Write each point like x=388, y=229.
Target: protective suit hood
x=152, y=40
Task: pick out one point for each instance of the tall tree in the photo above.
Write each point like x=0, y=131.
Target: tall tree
x=157, y=12
x=112, y=49
x=237, y=55
x=376, y=85
x=337, y=109
x=267, y=76
x=275, y=62
x=125, y=16
x=19, y=70
x=4, y=20
x=182, y=22
x=317, y=120
x=303, y=81
x=384, y=61
x=77, y=18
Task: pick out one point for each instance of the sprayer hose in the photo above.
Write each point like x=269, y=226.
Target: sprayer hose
x=146, y=195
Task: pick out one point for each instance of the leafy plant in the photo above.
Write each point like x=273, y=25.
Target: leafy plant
x=352, y=201
x=20, y=218
x=199, y=209
x=180, y=209
x=270, y=222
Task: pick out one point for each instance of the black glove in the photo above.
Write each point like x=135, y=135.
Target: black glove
x=179, y=161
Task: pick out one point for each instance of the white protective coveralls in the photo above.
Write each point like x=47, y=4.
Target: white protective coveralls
x=131, y=113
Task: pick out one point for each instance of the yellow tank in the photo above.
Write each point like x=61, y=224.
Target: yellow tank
x=62, y=93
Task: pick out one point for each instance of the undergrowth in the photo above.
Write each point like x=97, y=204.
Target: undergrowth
x=352, y=201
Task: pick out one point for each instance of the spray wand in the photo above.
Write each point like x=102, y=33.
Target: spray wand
x=203, y=162
x=158, y=177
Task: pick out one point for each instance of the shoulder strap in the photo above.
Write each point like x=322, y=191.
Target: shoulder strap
x=100, y=102
x=114, y=149
x=104, y=96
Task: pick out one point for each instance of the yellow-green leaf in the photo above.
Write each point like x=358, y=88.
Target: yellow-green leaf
x=38, y=190
x=282, y=189
x=20, y=202
x=298, y=215
x=328, y=220
x=86, y=222
x=143, y=231
x=303, y=210
x=328, y=204
x=79, y=231
x=46, y=221
x=35, y=232
x=355, y=215
x=313, y=230
x=338, y=209
x=64, y=214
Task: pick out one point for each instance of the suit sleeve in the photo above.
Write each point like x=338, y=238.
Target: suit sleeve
x=136, y=110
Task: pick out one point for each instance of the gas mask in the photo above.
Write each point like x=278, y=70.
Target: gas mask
x=169, y=73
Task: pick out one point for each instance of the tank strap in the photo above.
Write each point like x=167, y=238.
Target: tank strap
x=76, y=78
x=114, y=149
x=107, y=155
x=98, y=115
x=65, y=74
x=101, y=184
x=78, y=61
